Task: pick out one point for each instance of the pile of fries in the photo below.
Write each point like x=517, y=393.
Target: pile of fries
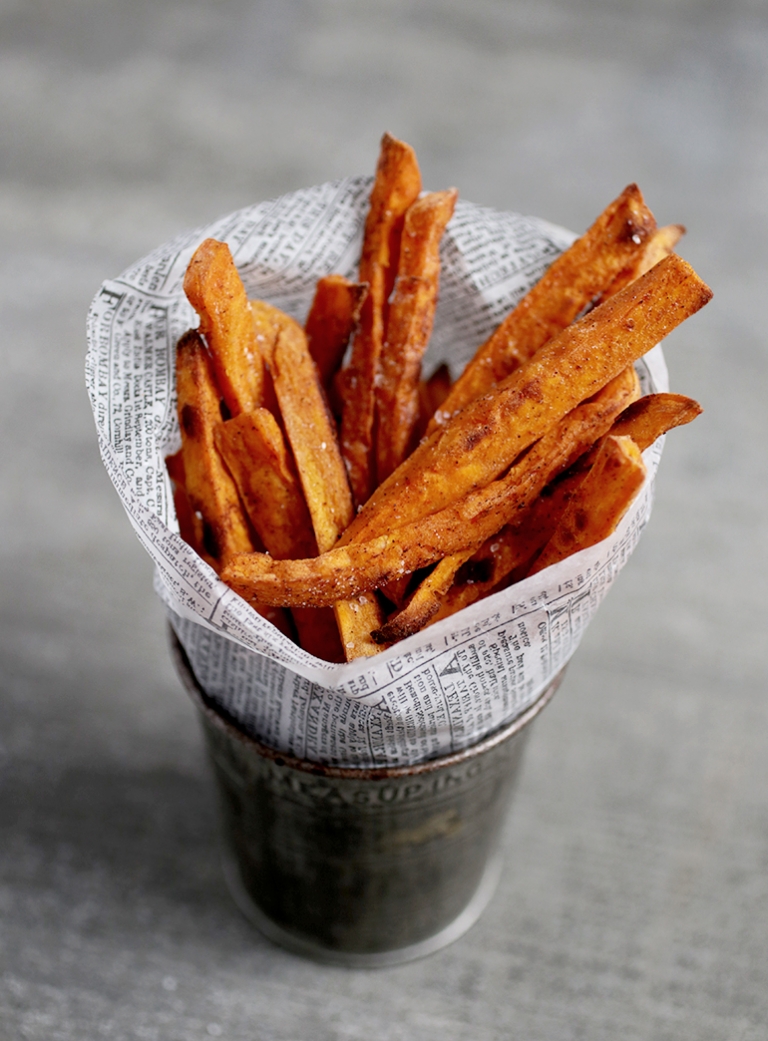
x=354, y=503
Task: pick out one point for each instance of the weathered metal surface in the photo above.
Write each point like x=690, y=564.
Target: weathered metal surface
x=360, y=862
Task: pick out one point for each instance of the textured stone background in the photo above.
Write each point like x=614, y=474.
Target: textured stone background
x=635, y=896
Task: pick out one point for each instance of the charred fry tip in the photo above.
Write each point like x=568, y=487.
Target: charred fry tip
x=190, y=340
x=397, y=629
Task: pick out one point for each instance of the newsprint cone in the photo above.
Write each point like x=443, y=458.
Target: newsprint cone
x=443, y=689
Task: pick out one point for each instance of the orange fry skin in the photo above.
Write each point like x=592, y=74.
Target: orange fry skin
x=649, y=417
x=425, y=601
x=432, y=394
x=255, y=452
x=184, y=513
x=332, y=318
x=210, y=517
x=220, y=525
x=253, y=447
x=659, y=244
x=312, y=436
x=599, y=503
x=484, y=438
x=506, y=549
x=644, y=421
x=174, y=464
x=579, y=275
x=409, y=325
x=215, y=290
x=396, y=186
x=319, y=633
x=346, y=571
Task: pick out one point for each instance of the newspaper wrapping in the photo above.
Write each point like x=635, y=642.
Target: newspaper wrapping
x=440, y=690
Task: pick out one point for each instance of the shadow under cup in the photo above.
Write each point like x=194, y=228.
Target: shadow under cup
x=361, y=867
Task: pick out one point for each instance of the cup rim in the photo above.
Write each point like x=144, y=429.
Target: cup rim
x=225, y=723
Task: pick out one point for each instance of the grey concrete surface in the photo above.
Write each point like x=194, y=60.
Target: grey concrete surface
x=635, y=896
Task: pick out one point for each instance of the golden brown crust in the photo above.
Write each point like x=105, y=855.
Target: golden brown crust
x=397, y=185
x=359, y=567
x=332, y=319
x=579, y=276
x=221, y=527
x=253, y=447
x=653, y=415
x=215, y=290
x=484, y=438
x=598, y=504
x=312, y=435
x=532, y=447
x=409, y=326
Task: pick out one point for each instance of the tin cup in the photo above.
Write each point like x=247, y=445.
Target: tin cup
x=360, y=867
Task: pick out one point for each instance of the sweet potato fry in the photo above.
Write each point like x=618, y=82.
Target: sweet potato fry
x=186, y=518
x=582, y=273
x=397, y=185
x=215, y=290
x=184, y=513
x=312, y=435
x=267, y=323
x=339, y=574
x=644, y=421
x=332, y=318
x=648, y=418
x=425, y=601
x=357, y=618
x=503, y=551
x=319, y=632
x=465, y=578
x=509, y=549
x=487, y=435
x=659, y=244
x=422, y=403
x=174, y=464
x=279, y=617
x=409, y=325
x=220, y=526
x=255, y=452
x=347, y=571
x=253, y=447
x=599, y=503
x=210, y=519
x=432, y=394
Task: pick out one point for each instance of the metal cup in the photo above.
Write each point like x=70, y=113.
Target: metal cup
x=361, y=867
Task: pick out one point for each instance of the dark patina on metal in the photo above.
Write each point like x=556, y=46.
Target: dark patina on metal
x=361, y=867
